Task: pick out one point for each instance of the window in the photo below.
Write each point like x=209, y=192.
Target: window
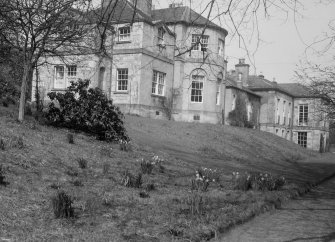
x=218, y=92
x=124, y=34
x=197, y=87
x=278, y=115
x=158, y=83
x=303, y=114
x=122, y=79
x=200, y=42
x=63, y=76
x=221, y=47
x=289, y=114
x=59, y=72
x=196, y=117
x=284, y=112
x=302, y=139
x=72, y=71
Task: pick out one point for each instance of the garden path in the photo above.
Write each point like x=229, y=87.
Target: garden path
x=307, y=218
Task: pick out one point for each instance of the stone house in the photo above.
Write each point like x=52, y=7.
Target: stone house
x=170, y=64
x=199, y=67
x=138, y=71
x=287, y=110
x=165, y=63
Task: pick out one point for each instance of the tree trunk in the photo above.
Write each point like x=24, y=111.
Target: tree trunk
x=26, y=71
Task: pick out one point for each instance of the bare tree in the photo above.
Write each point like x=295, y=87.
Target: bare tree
x=320, y=80
x=37, y=28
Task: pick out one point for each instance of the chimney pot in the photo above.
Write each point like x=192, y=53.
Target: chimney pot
x=242, y=61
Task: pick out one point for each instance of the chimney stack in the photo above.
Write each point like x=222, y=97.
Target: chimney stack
x=242, y=70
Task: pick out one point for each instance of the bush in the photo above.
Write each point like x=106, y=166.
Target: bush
x=150, y=187
x=88, y=110
x=70, y=138
x=82, y=163
x=130, y=180
x=5, y=103
x=146, y=166
x=77, y=183
x=2, y=177
x=194, y=204
x=2, y=144
x=144, y=195
x=106, y=167
x=62, y=205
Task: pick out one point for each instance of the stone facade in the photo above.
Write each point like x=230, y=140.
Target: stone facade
x=170, y=64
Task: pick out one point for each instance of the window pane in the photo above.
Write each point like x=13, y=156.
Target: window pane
x=72, y=71
x=196, y=91
x=59, y=72
x=122, y=79
x=158, y=83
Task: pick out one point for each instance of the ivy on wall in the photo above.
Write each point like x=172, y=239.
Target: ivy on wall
x=239, y=116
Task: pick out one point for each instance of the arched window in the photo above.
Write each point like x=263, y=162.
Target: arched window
x=197, y=85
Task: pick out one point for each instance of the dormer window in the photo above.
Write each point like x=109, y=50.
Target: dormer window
x=200, y=42
x=124, y=34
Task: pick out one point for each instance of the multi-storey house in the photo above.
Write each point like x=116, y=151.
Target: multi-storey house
x=289, y=110
x=200, y=66
x=138, y=70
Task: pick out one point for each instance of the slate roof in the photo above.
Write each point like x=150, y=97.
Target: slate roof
x=122, y=11
x=231, y=83
x=297, y=90
x=184, y=15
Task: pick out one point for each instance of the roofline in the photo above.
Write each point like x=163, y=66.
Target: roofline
x=244, y=90
x=271, y=89
x=197, y=25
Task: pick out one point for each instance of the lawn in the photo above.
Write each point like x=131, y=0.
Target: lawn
x=38, y=161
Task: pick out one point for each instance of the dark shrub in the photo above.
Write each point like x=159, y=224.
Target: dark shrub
x=5, y=103
x=20, y=143
x=144, y=195
x=2, y=177
x=2, y=144
x=62, y=205
x=70, y=138
x=150, y=187
x=82, y=163
x=88, y=110
x=146, y=166
x=130, y=180
x=77, y=183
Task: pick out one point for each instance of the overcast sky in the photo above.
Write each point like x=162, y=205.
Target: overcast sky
x=284, y=40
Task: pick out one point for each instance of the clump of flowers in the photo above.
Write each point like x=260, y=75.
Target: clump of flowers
x=130, y=180
x=124, y=145
x=147, y=166
x=203, y=177
x=257, y=181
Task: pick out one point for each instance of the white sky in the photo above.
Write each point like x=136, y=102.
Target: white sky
x=283, y=42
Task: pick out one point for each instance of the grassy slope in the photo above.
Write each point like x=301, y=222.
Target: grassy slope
x=108, y=211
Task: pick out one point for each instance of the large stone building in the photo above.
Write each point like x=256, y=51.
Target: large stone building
x=289, y=110
x=170, y=63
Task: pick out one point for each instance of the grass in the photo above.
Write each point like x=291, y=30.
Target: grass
x=163, y=207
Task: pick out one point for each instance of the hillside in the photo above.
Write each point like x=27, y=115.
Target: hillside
x=227, y=147
x=38, y=161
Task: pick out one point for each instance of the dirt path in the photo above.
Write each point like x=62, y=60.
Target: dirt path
x=308, y=218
